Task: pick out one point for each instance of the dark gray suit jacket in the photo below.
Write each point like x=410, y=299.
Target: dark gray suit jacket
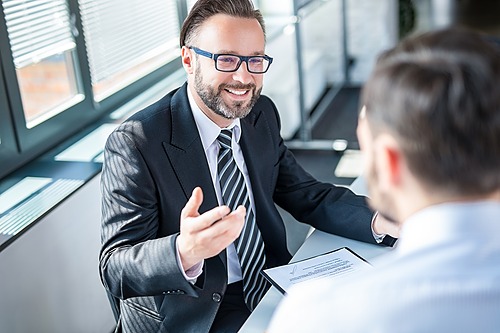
x=152, y=163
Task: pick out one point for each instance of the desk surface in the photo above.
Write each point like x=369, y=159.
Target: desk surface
x=318, y=242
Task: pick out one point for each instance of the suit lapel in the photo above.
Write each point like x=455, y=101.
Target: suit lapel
x=254, y=136
x=186, y=154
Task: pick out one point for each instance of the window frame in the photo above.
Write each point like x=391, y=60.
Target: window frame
x=8, y=144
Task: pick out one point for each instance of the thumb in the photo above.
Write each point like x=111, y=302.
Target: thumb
x=193, y=204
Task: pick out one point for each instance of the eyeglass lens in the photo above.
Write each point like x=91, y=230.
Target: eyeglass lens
x=231, y=63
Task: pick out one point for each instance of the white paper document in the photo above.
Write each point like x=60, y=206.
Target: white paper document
x=328, y=265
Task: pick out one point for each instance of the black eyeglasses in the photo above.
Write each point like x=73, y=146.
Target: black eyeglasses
x=231, y=62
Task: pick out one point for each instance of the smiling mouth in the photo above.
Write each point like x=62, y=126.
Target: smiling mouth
x=237, y=92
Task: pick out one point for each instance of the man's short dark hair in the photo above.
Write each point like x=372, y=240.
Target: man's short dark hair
x=204, y=9
x=439, y=95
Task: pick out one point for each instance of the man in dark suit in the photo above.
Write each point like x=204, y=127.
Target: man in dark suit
x=172, y=254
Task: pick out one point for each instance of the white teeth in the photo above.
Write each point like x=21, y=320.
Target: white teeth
x=237, y=92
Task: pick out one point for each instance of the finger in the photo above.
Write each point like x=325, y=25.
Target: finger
x=212, y=216
x=193, y=204
x=239, y=213
x=231, y=224
x=219, y=235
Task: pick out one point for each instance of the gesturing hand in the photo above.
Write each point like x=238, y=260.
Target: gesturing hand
x=206, y=235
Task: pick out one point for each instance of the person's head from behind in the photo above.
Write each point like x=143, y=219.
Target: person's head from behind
x=430, y=125
x=226, y=87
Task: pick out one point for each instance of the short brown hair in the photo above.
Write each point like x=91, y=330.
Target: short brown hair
x=439, y=95
x=204, y=9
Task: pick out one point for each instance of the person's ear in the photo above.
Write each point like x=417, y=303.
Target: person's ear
x=363, y=131
x=187, y=58
x=388, y=161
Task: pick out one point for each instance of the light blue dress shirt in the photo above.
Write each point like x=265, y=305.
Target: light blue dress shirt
x=443, y=276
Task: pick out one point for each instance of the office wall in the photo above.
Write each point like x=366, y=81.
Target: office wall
x=49, y=279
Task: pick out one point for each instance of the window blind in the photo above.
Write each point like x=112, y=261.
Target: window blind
x=37, y=29
x=120, y=34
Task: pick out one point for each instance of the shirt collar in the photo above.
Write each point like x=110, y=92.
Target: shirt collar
x=209, y=131
x=443, y=222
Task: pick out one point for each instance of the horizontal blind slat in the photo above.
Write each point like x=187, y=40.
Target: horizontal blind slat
x=119, y=35
x=37, y=29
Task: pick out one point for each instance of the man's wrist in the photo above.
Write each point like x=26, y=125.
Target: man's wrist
x=378, y=237
x=192, y=273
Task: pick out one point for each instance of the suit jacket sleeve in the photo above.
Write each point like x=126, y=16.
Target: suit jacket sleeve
x=134, y=261
x=330, y=208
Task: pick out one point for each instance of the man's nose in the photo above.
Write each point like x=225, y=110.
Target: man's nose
x=242, y=74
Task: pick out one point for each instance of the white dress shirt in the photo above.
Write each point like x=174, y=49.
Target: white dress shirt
x=209, y=131
x=443, y=276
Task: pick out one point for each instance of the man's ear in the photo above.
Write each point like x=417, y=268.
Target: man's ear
x=363, y=132
x=187, y=60
x=388, y=161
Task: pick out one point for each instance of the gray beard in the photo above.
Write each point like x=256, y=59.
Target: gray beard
x=212, y=98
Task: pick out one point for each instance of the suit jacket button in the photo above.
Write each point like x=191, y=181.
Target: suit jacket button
x=216, y=297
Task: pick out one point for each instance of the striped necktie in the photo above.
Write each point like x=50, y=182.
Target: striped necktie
x=249, y=245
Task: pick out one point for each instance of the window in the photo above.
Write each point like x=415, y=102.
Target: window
x=125, y=43
x=43, y=51
x=65, y=64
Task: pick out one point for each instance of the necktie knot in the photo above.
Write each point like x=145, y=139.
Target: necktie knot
x=224, y=138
